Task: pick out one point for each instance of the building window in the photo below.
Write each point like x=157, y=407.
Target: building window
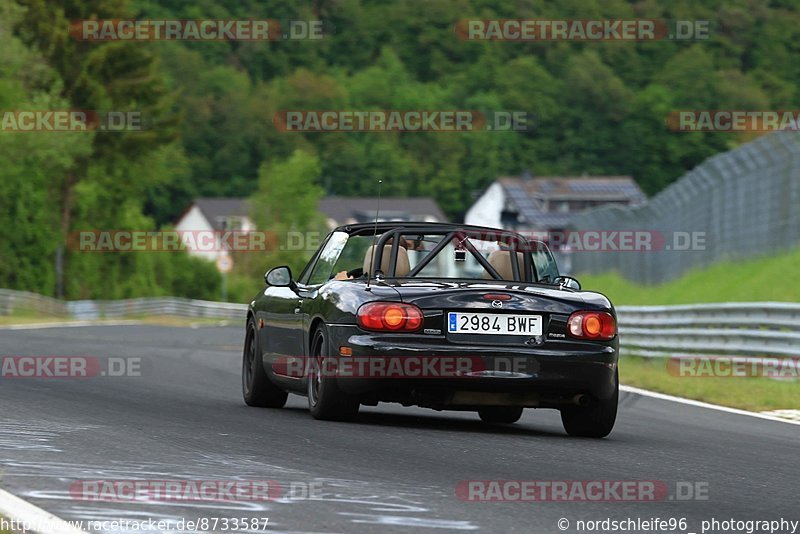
x=231, y=223
x=508, y=219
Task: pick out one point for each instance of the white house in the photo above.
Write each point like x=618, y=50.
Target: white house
x=221, y=214
x=207, y=215
x=549, y=203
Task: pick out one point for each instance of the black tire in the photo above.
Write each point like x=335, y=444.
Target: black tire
x=500, y=414
x=257, y=389
x=325, y=400
x=595, y=420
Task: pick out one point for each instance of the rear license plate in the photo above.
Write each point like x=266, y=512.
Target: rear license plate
x=494, y=323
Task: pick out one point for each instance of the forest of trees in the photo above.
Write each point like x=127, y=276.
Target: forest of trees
x=598, y=108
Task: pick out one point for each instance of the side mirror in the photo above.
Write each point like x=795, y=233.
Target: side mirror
x=279, y=277
x=568, y=282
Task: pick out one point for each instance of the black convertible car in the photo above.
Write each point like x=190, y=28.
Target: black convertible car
x=444, y=316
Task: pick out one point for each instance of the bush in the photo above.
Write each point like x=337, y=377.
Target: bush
x=193, y=278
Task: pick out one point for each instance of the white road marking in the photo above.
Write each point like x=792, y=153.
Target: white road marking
x=793, y=415
x=43, y=522
x=700, y=404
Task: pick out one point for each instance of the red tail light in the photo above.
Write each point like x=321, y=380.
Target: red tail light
x=592, y=325
x=389, y=317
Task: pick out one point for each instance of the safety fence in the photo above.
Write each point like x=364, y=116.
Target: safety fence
x=740, y=204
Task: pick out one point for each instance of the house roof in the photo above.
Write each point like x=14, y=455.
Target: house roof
x=362, y=209
x=216, y=209
x=578, y=187
x=530, y=196
x=340, y=209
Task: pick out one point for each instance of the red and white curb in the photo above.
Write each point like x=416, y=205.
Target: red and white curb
x=14, y=509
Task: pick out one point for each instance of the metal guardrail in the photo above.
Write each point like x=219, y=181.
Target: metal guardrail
x=735, y=328
x=19, y=302
x=181, y=307
x=12, y=301
x=770, y=329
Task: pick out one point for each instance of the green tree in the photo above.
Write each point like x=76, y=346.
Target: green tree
x=29, y=163
x=112, y=76
x=287, y=200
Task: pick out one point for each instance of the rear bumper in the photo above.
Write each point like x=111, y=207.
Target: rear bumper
x=444, y=375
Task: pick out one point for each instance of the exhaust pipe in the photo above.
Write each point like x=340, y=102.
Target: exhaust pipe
x=581, y=399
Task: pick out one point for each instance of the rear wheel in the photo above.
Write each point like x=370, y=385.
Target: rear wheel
x=325, y=400
x=257, y=389
x=595, y=420
x=500, y=414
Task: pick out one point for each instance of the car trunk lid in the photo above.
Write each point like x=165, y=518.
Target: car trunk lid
x=496, y=313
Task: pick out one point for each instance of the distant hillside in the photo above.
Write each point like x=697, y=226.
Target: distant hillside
x=599, y=107
x=208, y=108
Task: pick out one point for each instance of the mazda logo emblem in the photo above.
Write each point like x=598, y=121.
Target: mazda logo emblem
x=497, y=304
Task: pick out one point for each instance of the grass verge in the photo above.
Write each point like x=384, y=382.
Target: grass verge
x=760, y=279
x=754, y=394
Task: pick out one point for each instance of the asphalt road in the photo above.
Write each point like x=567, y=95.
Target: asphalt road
x=394, y=469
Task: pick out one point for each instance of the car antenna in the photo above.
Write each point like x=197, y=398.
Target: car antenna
x=375, y=235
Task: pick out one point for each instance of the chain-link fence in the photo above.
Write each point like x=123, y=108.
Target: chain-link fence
x=738, y=204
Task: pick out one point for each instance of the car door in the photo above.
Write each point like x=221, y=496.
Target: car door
x=319, y=275
x=286, y=312
x=281, y=323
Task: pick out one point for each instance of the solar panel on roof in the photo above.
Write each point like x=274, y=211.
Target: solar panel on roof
x=595, y=187
x=525, y=206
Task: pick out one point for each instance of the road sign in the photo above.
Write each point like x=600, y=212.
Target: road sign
x=224, y=264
